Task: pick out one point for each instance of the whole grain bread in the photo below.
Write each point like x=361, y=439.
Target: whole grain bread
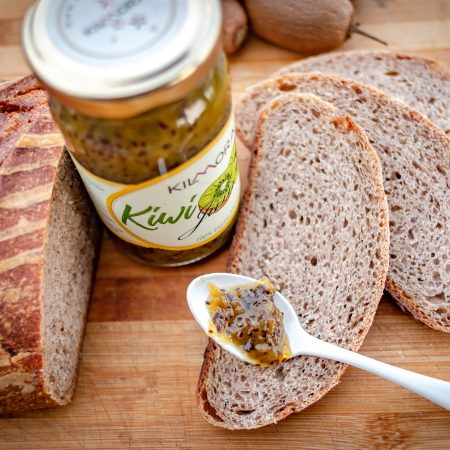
x=314, y=220
x=419, y=82
x=415, y=157
x=48, y=239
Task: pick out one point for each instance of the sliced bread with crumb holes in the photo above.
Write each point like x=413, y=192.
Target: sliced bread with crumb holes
x=415, y=157
x=314, y=220
x=49, y=234
x=419, y=82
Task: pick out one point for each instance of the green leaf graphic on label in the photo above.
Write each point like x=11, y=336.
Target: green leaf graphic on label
x=218, y=192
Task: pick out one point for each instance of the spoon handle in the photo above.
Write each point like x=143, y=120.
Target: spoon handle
x=438, y=391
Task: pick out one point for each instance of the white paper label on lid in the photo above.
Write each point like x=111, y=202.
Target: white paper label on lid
x=185, y=208
x=111, y=29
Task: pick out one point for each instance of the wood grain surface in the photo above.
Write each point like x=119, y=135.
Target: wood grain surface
x=142, y=352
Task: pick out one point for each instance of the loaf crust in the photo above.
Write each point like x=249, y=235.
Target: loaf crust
x=31, y=157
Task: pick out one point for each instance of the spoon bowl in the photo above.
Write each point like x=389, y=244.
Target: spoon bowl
x=198, y=294
x=302, y=343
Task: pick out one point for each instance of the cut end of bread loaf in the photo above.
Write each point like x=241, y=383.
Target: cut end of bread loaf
x=415, y=157
x=71, y=247
x=314, y=219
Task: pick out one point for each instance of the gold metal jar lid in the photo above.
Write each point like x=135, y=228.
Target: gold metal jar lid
x=118, y=58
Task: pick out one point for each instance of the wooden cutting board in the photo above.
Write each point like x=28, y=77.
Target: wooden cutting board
x=143, y=352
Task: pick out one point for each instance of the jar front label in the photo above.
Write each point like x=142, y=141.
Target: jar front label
x=182, y=209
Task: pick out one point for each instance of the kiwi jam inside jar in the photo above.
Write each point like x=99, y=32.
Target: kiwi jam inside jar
x=157, y=157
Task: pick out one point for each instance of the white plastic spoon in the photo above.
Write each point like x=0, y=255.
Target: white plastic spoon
x=302, y=343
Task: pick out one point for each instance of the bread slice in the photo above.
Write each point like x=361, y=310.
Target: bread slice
x=314, y=220
x=420, y=82
x=415, y=157
x=48, y=240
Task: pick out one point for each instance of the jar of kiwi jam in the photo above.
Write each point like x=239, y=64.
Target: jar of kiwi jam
x=140, y=91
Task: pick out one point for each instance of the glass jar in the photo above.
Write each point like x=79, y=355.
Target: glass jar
x=158, y=157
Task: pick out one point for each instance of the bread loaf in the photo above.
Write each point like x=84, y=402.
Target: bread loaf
x=420, y=82
x=314, y=220
x=415, y=157
x=48, y=238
